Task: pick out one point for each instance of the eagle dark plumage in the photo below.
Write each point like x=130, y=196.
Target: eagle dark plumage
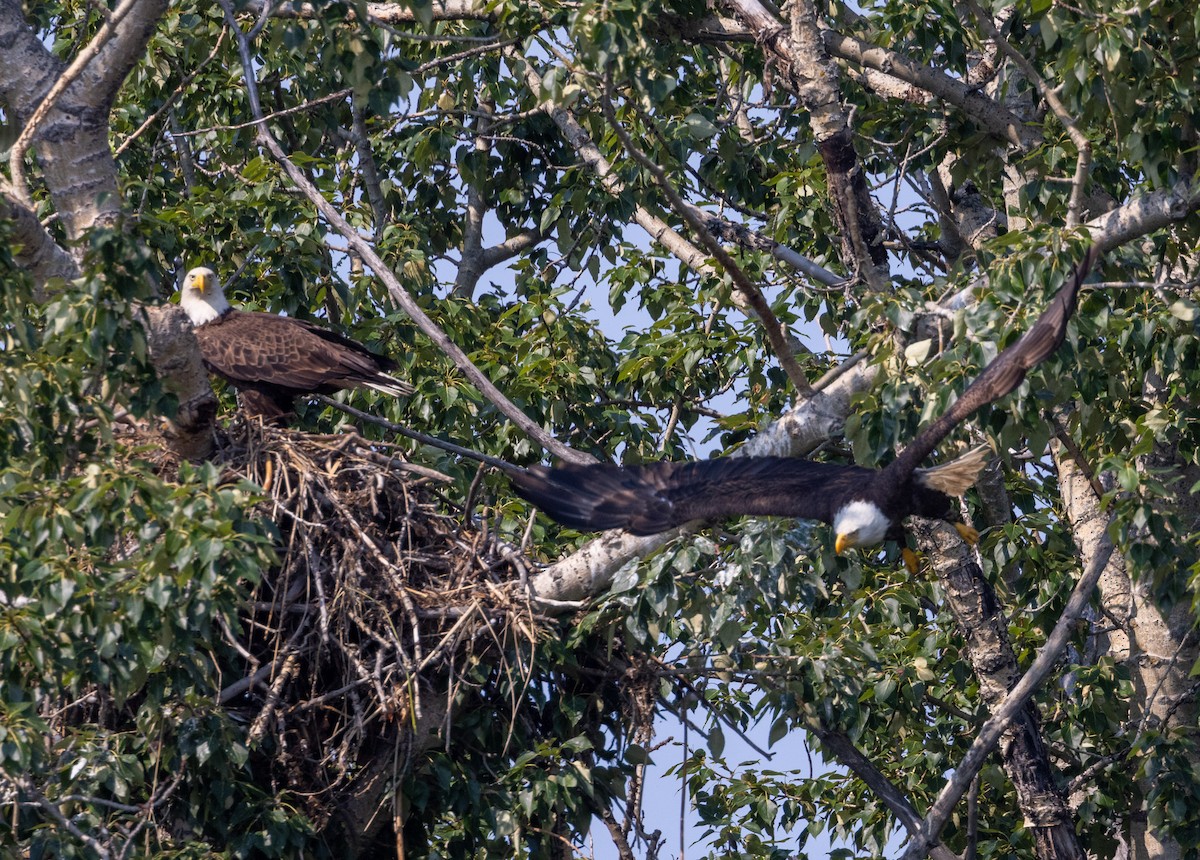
x=864, y=506
x=272, y=359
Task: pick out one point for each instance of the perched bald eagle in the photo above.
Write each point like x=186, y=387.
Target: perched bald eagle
x=272, y=359
x=864, y=506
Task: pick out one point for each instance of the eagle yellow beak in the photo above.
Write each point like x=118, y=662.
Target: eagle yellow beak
x=842, y=543
x=200, y=282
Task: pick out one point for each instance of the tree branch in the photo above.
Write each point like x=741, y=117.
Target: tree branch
x=992, y=116
x=982, y=623
x=658, y=229
x=748, y=288
x=814, y=80
x=1082, y=144
x=849, y=755
x=471, y=265
x=385, y=13
x=1012, y=706
x=35, y=249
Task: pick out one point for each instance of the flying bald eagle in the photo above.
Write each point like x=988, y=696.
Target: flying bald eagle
x=271, y=359
x=864, y=506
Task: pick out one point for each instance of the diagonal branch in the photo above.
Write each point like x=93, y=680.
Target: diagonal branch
x=997, y=119
x=748, y=288
x=1012, y=706
x=367, y=252
x=850, y=755
x=34, y=248
x=813, y=78
x=576, y=135
x=1082, y=145
x=175, y=95
x=16, y=158
x=981, y=621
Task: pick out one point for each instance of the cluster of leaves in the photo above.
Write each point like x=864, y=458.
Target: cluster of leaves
x=113, y=584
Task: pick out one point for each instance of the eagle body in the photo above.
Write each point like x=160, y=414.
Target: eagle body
x=272, y=359
x=864, y=506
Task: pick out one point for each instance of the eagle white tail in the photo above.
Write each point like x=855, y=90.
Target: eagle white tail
x=957, y=476
x=390, y=385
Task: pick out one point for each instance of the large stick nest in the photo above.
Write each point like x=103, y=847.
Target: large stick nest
x=384, y=592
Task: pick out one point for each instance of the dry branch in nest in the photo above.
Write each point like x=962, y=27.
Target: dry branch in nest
x=384, y=593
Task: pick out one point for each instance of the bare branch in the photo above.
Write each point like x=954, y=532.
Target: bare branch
x=1008, y=710
x=385, y=13
x=849, y=755
x=991, y=115
x=27, y=786
x=814, y=79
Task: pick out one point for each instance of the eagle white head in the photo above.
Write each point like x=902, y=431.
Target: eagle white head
x=202, y=297
x=859, y=523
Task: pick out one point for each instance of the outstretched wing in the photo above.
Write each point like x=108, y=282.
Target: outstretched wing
x=654, y=497
x=1004, y=372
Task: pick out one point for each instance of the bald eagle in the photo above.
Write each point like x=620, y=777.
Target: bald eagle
x=272, y=359
x=864, y=506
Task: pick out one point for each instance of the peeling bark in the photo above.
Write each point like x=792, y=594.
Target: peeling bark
x=72, y=145
x=1157, y=648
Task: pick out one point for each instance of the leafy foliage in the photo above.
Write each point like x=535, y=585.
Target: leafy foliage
x=117, y=580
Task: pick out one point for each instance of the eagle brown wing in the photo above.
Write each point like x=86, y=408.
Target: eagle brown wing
x=654, y=497
x=1004, y=373
x=265, y=350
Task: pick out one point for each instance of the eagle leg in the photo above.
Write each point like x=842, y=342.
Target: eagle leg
x=970, y=535
x=911, y=560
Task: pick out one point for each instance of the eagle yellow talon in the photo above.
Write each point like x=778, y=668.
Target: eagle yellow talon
x=911, y=560
x=967, y=533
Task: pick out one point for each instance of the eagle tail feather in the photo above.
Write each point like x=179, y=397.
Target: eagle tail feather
x=957, y=476
x=390, y=385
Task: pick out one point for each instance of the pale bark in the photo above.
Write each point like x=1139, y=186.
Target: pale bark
x=1157, y=649
x=1010, y=708
x=71, y=143
x=386, y=13
x=176, y=358
x=982, y=623
x=34, y=248
x=80, y=173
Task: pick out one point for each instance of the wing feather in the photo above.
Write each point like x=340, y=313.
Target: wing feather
x=654, y=497
x=1004, y=373
x=267, y=350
